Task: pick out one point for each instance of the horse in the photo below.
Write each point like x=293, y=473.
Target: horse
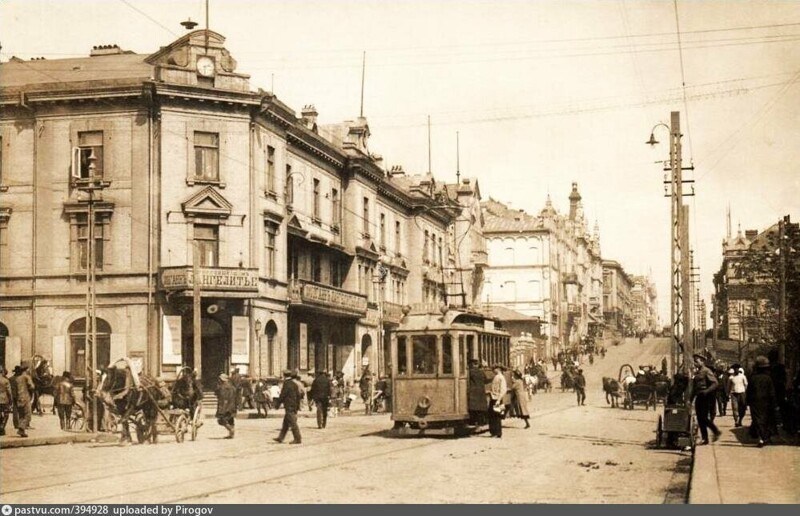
x=44, y=382
x=128, y=395
x=613, y=391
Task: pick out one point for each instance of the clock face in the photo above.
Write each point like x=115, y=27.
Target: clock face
x=205, y=66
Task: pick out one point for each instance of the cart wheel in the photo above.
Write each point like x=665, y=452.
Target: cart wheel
x=659, y=432
x=77, y=421
x=181, y=427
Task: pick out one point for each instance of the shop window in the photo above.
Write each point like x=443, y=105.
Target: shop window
x=424, y=354
x=206, y=238
x=206, y=156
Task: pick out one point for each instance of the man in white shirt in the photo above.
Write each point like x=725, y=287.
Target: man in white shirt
x=737, y=389
x=496, y=407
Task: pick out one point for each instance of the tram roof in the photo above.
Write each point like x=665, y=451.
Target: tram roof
x=429, y=320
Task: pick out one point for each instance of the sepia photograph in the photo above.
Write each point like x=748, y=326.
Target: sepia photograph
x=398, y=252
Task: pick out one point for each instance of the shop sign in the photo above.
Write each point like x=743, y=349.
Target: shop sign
x=319, y=295
x=182, y=278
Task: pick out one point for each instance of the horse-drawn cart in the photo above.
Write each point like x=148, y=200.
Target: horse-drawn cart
x=635, y=392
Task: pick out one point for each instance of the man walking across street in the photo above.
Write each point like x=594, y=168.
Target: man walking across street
x=704, y=383
x=227, y=404
x=290, y=399
x=737, y=391
x=6, y=399
x=21, y=390
x=321, y=394
x=580, y=387
x=64, y=399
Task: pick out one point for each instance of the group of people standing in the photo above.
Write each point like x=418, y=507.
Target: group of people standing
x=506, y=396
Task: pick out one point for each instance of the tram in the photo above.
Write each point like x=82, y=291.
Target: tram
x=429, y=355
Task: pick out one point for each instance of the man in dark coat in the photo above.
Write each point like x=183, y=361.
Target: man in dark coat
x=704, y=385
x=226, y=404
x=777, y=372
x=762, y=400
x=580, y=387
x=476, y=393
x=6, y=399
x=290, y=399
x=64, y=399
x=22, y=391
x=321, y=394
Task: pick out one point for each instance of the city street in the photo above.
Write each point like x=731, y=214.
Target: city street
x=590, y=454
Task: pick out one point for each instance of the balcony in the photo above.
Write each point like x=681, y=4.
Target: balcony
x=392, y=312
x=480, y=258
x=218, y=279
x=326, y=298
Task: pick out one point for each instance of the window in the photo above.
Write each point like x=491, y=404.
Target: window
x=206, y=238
x=424, y=354
x=271, y=231
x=425, y=257
x=335, y=270
x=365, y=216
x=383, y=230
x=83, y=243
x=316, y=200
x=336, y=209
x=439, y=254
x=316, y=268
x=270, y=169
x=289, y=186
x=402, y=357
x=447, y=354
x=206, y=156
x=90, y=150
x=397, y=237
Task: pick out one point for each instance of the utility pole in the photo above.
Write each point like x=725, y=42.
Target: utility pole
x=782, y=250
x=197, y=325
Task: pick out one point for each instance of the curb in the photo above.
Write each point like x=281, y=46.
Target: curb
x=703, y=481
x=24, y=442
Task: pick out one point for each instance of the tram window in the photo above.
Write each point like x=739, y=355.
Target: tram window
x=424, y=350
x=471, y=351
x=402, y=356
x=447, y=355
x=462, y=356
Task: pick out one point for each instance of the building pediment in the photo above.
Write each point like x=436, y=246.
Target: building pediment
x=207, y=203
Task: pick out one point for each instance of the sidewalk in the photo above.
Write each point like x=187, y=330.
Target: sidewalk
x=46, y=430
x=735, y=471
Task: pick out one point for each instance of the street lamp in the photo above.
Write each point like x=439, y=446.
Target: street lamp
x=257, y=328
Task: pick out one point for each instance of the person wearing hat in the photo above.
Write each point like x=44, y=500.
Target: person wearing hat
x=704, y=385
x=64, y=399
x=579, y=382
x=226, y=404
x=320, y=393
x=762, y=401
x=290, y=399
x=5, y=399
x=496, y=407
x=22, y=393
x=737, y=392
x=476, y=393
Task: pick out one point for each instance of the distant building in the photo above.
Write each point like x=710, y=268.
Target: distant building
x=645, y=305
x=617, y=301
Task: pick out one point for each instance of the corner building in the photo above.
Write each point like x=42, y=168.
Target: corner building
x=305, y=247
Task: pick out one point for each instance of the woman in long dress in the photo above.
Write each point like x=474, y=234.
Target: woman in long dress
x=519, y=402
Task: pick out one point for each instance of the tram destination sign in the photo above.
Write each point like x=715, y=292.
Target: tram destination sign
x=182, y=278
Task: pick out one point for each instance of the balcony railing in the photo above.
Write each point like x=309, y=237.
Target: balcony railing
x=329, y=298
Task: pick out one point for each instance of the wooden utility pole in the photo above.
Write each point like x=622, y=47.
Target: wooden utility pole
x=782, y=250
x=196, y=310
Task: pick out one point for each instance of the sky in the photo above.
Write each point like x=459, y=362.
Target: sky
x=541, y=94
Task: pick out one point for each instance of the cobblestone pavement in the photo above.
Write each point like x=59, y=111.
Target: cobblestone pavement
x=590, y=454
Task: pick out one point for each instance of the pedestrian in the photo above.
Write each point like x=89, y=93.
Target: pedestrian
x=246, y=384
x=555, y=363
x=519, y=403
x=496, y=409
x=21, y=390
x=64, y=399
x=762, y=401
x=580, y=387
x=261, y=397
x=6, y=399
x=302, y=387
x=236, y=381
x=476, y=393
x=364, y=385
x=737, y=392
x=507, y=397
x=704, y=383
x=274, y=393
x=290, y=399
x=321, y=394
x=227, y=404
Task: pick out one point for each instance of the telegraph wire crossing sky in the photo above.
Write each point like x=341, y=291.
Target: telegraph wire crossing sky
x=542, y=94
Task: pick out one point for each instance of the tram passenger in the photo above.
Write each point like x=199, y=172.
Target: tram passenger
x=476, y=394
x=496, y=409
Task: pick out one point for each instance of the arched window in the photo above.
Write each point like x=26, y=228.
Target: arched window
x=271, y=331
x=78, y=356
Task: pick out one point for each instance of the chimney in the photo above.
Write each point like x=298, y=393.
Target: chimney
x=751, y=234
x=309, y=117
x=396, y=170
x=105, y=50
x=574, y=199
